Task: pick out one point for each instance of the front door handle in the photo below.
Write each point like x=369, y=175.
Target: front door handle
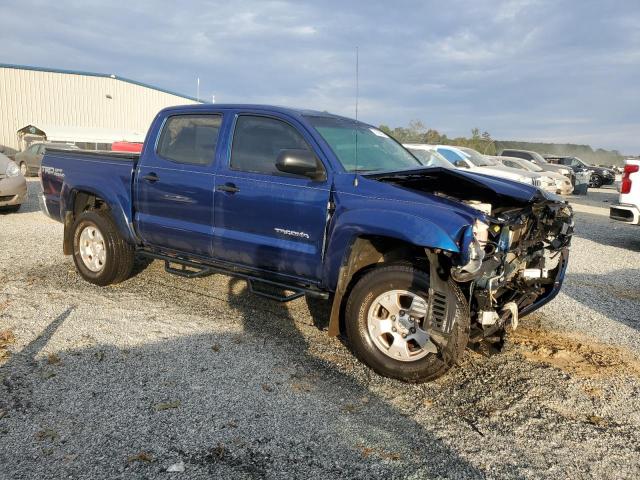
x=227, y=187
x=151, y=178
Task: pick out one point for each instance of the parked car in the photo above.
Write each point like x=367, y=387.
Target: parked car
x=30, y=159
x=539, y=160
x=467, y=158
x=416, y=260
x=427, y=155
x=559, y=183
x=599, y=176
x=13, y=186
x=628, y=207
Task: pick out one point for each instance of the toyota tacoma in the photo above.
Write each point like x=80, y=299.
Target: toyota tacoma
x=416, y=261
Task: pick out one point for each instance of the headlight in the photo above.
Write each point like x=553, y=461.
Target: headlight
x=12, y=170
x=565, y=171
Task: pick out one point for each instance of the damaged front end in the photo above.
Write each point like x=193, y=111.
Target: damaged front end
x=515, y=263
x=513, y=259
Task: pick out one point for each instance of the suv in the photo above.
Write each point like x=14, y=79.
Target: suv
x=539, y=160
x=599, y=175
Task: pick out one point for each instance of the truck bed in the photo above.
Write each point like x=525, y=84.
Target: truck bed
x=106, y=174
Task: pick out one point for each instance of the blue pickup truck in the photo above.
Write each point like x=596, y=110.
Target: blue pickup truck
x=417, y=261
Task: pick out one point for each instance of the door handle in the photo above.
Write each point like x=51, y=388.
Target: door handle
x=227, y=187
x=151, y=178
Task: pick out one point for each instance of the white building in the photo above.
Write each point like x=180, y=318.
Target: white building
x=34, y=100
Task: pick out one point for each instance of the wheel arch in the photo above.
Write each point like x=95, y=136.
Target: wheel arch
x=364, y=253
x=78, y=200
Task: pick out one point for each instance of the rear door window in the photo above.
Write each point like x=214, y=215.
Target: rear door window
x=190, y=139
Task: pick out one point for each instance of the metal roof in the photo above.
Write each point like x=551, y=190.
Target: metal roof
x=93, y=74
x=56, y=133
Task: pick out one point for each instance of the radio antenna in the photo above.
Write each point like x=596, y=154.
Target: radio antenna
x=355, y=130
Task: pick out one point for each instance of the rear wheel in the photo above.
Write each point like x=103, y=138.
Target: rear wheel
x=100, y=253
x=596, y=181
x=388, y=327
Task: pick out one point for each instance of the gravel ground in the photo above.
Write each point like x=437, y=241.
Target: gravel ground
x=198, y=375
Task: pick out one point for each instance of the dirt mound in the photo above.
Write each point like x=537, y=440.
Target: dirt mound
x=574, y=353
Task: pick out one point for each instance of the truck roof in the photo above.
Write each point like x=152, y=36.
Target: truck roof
x=256, y=107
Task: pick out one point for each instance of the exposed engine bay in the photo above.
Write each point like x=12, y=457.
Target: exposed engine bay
x=512, y=258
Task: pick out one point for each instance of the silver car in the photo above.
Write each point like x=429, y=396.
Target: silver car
x=13, y=186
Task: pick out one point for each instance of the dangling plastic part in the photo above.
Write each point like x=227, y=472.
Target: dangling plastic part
x=513, y=309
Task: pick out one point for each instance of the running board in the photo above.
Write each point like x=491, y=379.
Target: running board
x=188, y=269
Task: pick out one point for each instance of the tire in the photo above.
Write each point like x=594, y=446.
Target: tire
x=23, y=169
x=596, y=181
x=372, y=287
x=119, y=255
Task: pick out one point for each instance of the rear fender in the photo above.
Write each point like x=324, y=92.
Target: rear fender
x=79, y=198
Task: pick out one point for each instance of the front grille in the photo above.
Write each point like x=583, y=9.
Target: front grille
x=536, y=182
x=6, y=198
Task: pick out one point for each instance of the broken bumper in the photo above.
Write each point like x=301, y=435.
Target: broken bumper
x=552, y=292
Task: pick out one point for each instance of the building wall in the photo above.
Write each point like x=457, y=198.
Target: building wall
x=75, y=100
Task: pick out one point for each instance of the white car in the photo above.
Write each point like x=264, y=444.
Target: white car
x=428, y=156
x=551, y=181
x=628, y=207
x=468, y=158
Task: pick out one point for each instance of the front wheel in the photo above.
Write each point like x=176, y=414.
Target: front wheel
x=100, y=253
x=23, y=169
x=388, y=325
x=596, y=181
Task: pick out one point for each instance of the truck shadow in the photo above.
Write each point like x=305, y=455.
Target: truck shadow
x=277, y=412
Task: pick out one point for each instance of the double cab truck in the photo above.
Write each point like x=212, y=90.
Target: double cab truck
x=627, y=209
x=416, y=261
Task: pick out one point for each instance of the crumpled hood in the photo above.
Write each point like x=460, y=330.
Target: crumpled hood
x=465, y=185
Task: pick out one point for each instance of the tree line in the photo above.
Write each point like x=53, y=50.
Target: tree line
x=417, y=132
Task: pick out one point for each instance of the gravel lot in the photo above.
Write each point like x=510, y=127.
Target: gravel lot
x=199, y=375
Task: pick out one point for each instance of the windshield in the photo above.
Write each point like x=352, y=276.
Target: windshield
x=376, y=150
x=477, y=159
x=526, y=164
x=531, y=166
x=430, y=158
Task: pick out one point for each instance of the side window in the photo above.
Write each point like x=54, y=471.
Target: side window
x=449, y=155
x=190, y=139
x=257, y=142
x=511, y=164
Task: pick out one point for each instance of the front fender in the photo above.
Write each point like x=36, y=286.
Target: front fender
x=403, y=226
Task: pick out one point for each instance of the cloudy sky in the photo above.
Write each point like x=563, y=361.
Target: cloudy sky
x=557, y=70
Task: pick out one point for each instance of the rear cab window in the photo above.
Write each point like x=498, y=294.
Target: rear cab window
x=190, y=139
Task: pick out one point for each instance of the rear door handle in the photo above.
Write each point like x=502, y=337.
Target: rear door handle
x=228, y=187
x=151, y=178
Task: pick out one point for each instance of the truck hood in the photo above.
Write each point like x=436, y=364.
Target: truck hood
x=464, y=185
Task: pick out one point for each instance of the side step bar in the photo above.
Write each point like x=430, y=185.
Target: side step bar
x=189, y=269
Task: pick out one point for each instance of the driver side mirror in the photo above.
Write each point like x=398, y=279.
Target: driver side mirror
x=300, y=162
